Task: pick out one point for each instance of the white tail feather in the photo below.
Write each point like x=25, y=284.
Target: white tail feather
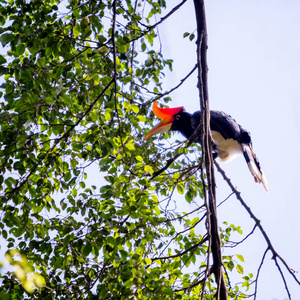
x=254, y=166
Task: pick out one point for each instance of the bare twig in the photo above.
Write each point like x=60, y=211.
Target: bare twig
x=275, y=255
x=234, y=244
x=159, y=22
x=283, y=278
x=258, y=271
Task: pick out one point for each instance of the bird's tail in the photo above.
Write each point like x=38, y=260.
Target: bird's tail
x=254, y=166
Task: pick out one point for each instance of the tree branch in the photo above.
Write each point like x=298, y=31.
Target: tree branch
x=206, y=142
x=275, y=255
x=159, y=22
x=66, y=135
x=205, y=238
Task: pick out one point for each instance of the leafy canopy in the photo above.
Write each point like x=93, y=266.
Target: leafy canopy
x=77, y=198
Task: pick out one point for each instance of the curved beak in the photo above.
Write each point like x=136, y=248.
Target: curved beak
x=167, y=117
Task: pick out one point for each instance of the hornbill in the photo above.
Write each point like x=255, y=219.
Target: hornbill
x=228, y=136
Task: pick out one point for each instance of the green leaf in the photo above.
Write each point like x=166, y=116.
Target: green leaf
x=49, y=100
x=148, y=169
x=240, y=269
x=107, y=115
x=2, y=60
x=86, y=249
x=180, y=187
x=135, y=108
x=5, y=38
x=74, y=192
x=240, y=257
x=168, y=291
x=126, y=80
x=192, y=36
x=230, y=265
x=139, y=158
x=130, y=146
x=20, y=49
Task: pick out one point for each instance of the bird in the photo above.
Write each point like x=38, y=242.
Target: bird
x=229, y=138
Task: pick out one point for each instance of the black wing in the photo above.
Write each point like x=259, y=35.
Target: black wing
x=225, y=124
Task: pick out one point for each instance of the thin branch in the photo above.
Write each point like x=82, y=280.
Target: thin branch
x=257, y=223
x=169, y=162
x=258, y=271
x=115, y=76
x=159, y=22
x=225, y=199
x=178, y=85
x=234, y=244
x=283, y=278
x=33, y=169
x=201, y=281
x=181, y=232
x=183, y=252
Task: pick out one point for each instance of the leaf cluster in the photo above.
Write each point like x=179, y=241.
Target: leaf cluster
x=76, y=196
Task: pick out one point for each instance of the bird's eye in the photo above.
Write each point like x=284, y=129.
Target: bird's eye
x=177, y=117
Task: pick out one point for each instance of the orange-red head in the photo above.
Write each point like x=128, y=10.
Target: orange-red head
x=167, y=117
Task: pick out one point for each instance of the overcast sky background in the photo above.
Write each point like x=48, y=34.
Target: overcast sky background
x=254, y=74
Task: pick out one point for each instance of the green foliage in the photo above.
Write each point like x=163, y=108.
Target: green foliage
x=24, y=271
x=77, y=196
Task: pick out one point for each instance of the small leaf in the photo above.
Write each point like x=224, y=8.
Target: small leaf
x=230, y=265
x=20, y=49
x=107, y=115
x=240, y=269
x=139, y=158
x=86, y=249
x=126, y=80
x=192, y=36
x=2, y=60
x=49, y=100
x=180, y=187
x=135, y=108
x=130, y=146
x=5, y=38
x=168, y=291
x=240, y=257
x=148, y=169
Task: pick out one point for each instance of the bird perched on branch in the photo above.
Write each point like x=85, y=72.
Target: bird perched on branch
x=228, y=136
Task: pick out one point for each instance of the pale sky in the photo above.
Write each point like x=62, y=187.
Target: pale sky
x=254, y=74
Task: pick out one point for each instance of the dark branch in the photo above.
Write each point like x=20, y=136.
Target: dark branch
x=183, y=252
x=275, y=255
x=159, y=22
x=169, y=162
x=283, y=278
x=234, y=244
x=258, y=271
x=207, y=159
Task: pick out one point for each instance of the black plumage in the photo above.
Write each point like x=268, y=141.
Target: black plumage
x=187, y=123
x=228, y=136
